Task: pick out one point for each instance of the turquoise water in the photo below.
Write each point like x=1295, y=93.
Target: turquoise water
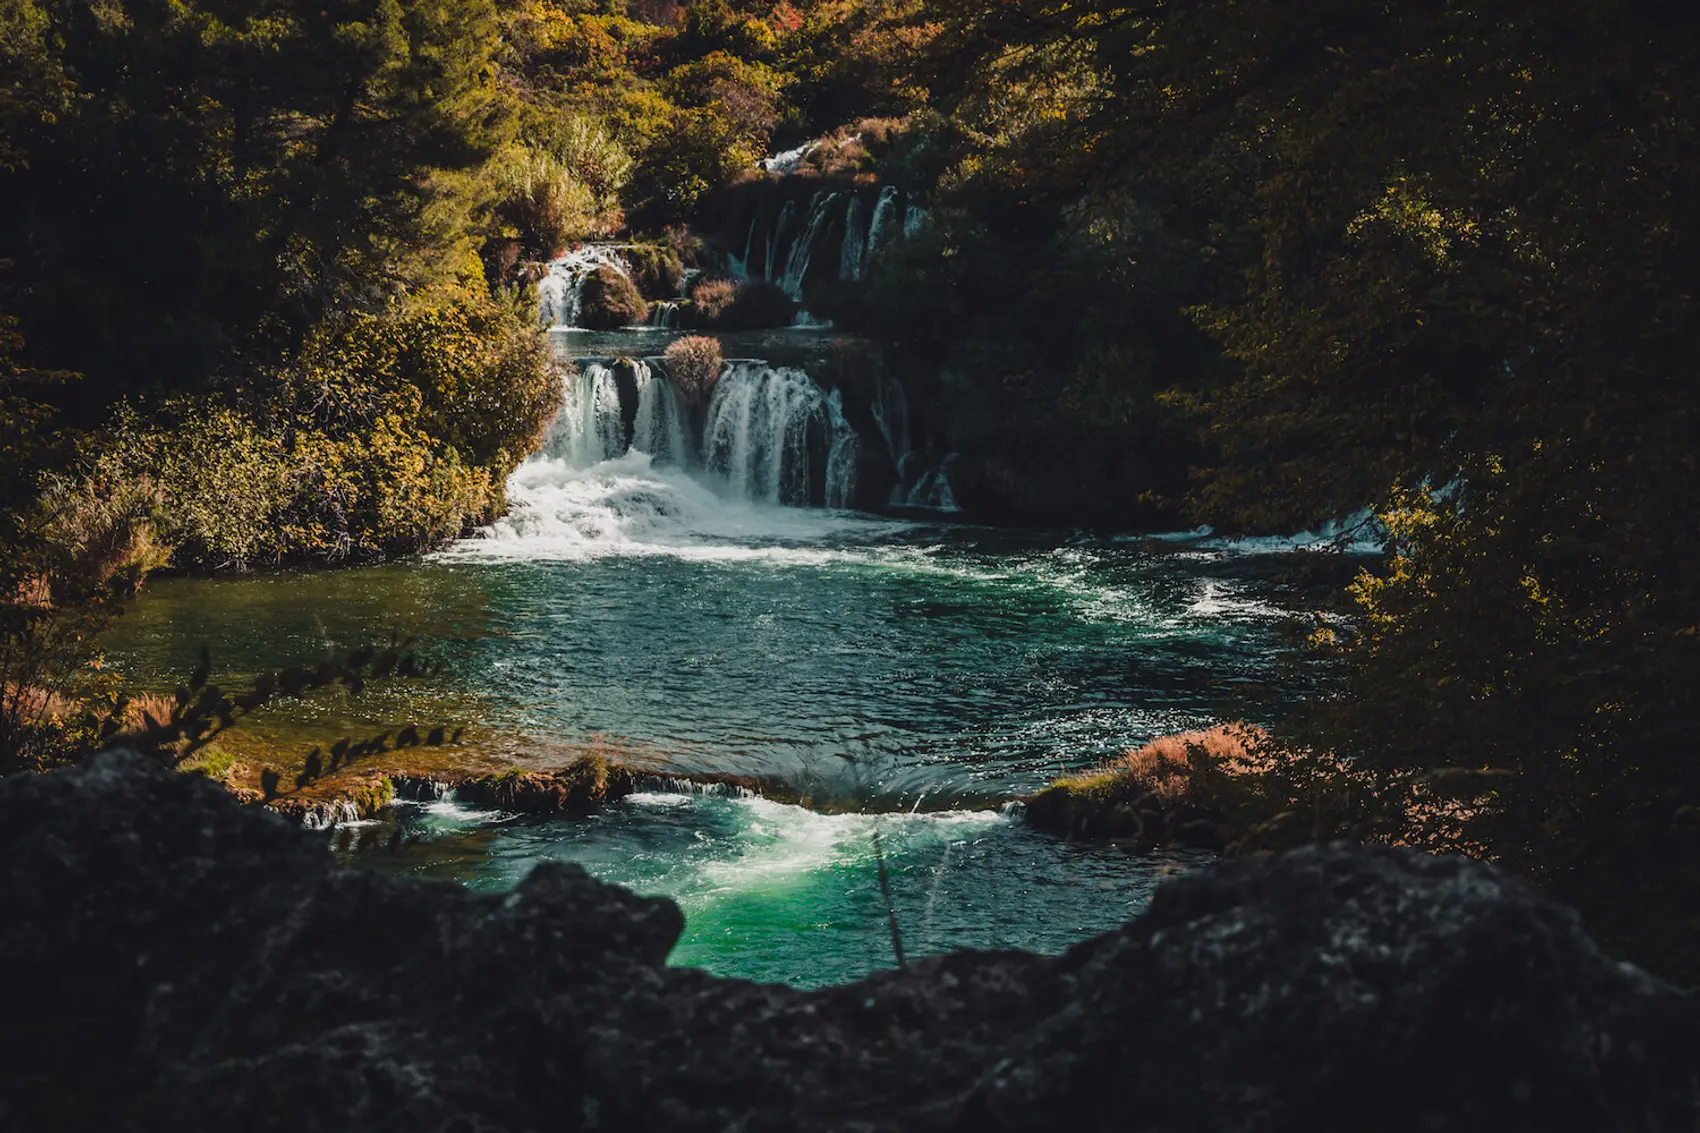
x=909, y=679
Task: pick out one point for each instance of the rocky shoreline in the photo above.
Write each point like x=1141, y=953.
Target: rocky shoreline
x=177, y=960
x=581, y=785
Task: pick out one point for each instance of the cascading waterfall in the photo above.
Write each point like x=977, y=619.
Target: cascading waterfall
x=787, y=216
x=770, y=434
x=560, y=293
x=933, y=489
x=787, y=161
x=918, y=484
x=659, y=428
x=836, y=235
x=664, y=314
x=797, y=263
x=891, y=415
x=758, y=434
x=880, y=229
x=841, y=458
x=855, y=241
x=588, y=429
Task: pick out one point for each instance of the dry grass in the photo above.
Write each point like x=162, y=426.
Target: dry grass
x=1229, y=788
x=1168, y=766
x=711, y=298
x=693, y=362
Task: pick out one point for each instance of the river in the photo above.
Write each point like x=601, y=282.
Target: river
x=909, y=676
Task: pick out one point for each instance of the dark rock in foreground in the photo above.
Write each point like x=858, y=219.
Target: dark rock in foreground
x=175, y=961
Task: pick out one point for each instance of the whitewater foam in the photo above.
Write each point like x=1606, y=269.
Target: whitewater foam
x=776, y=843
x=631, y=506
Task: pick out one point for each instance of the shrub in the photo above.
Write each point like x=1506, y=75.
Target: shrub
x=586, y=148
x=656, y=270
x=690, y=248
x=610, y=300
x=693, y=362
x=542, y=206
x=390, y=434
x=759, y=303
x=1227, y=788
x=755, y=304
x=709, y=300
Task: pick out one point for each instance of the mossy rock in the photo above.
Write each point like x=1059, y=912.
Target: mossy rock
x=587, y=783
x=657, y=270
x=610, y=300
x=1098, y=807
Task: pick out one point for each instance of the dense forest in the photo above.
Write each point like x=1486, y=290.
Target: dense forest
x=268, y=274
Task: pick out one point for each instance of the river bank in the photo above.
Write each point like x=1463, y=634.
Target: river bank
x=198, y=929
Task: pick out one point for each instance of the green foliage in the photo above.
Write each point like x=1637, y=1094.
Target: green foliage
x=656, y=269
x=542, y=205
x=64, y=572
x=276, y=164
x=589, y=150
x=390, y=435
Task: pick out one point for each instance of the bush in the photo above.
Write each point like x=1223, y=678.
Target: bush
x=759, y=304
x=610, y=300
x=693, y=362
x=594, y=158
x=756, y=304
x=656, y=270
x=542, y=206
x=391, y=434
x=1227, y=788
x=710, y=299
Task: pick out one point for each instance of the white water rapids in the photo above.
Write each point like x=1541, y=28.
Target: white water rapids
x=769, y=443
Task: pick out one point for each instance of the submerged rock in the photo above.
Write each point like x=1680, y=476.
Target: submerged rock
x=174, y=960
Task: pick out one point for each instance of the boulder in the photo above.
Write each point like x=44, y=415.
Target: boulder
x=176, y=960
x=610, y=300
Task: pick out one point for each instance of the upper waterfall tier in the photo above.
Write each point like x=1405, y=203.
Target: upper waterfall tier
x=560, y=293
x=833, y=236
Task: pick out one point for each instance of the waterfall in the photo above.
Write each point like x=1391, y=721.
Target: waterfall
x=780, y=226
x=787, y=161
x=841, y=458
x=591, y=425
x=664, y=313
x=738, y=267
x=918, y=483
x=560, y=292
x=771, y=434
x=885, y=217
x=855, y=241
x=660, y=428
x=933, y=489
x=588, y=428
x=891, y=416
x=797, y=263
x=914, y=219
x=761, y=422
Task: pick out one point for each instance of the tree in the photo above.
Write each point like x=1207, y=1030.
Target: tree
x=278, y=161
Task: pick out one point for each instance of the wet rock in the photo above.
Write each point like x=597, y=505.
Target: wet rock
x=174, y=960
